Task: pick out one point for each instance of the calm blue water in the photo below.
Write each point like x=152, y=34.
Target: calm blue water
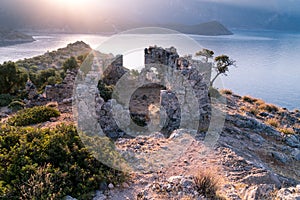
x=267, y=62
x=267, y=65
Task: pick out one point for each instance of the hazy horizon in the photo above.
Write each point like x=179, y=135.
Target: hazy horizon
x=95, y=15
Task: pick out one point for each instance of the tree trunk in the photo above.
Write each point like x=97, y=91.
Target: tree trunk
x=213, y=80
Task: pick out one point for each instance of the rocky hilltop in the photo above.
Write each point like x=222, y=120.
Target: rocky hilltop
x=255, y=155
x=11, y=37
x=56, y=58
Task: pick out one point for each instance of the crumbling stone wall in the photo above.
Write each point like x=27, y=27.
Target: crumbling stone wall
x=34, y=99
x=64, y=91
x=177, y=100
x=178, y=86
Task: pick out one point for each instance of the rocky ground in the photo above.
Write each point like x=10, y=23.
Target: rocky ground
x=257, y=156
x=254, y=157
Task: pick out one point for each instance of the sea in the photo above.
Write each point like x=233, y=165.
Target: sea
x=267, y=62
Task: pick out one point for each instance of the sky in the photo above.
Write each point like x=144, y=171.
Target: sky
x=107, y=13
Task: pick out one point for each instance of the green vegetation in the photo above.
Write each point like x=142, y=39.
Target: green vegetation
x=5, y=99
x=49, y=164
x=16, y=105
x=105, y=90
x=33, y=115
x=205, y=53
x=45, y=77
x=221, y=63
x=12, y=78
x=70, y=64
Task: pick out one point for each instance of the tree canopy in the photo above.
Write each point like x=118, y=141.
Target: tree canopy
x=222, y=63
x=205, y=53
x=11, y=78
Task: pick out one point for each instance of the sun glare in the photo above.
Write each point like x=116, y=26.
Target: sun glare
x=71, y=3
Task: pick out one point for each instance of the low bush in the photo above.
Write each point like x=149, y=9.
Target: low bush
x=33, y=115
x=70, y=64
x=5, y=99
x=16, y=106
x=49, y=164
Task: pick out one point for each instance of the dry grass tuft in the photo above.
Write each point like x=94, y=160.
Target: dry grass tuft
x=259, y=102
x=226, y=91
x=287, y=131
x=252, y=110
x=249, y=99
x=268, y=107
x=273, y=122
x=207, y=184
x=53, y=104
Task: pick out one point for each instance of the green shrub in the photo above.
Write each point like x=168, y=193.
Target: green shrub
x=5, y=99
x=105, y=90
x=70, y=64
x=41, y=185
x=12, y=78
x=16, y=105
x=49, y=164
x=33, y=115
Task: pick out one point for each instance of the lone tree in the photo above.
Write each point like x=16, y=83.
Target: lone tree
x=205, y=53
x=222, y=63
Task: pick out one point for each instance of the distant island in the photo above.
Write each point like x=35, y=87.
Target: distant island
x=11, y=37
x=212, y=28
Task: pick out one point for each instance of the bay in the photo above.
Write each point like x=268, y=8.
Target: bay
x=267, y=62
